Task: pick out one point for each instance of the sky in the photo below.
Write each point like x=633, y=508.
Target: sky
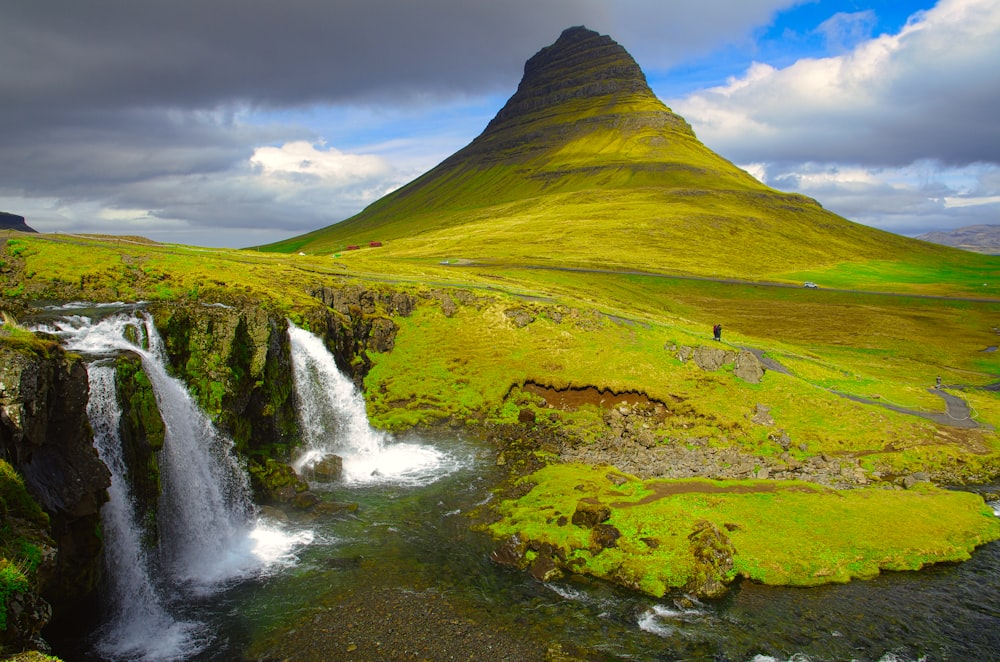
x=234, y=123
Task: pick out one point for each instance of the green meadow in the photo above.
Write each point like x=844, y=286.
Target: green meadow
x=876, y=338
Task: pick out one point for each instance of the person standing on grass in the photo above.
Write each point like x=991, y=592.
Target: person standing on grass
x=717, y=331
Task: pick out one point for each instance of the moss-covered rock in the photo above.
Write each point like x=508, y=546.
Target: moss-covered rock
x=237, y=364
x=274, y=481
x=142, y=433
x=45, y=436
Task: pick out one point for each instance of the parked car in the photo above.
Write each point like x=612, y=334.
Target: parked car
x=810, y=284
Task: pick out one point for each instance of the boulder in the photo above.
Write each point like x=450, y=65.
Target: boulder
x=603, y=536
x=330, y=468
x=748, y=367
x=762, y=415
x=590, y=512
x=519, y=317
x=712, y=358
x=448, y=305
x=509, y=553
x=713, y=560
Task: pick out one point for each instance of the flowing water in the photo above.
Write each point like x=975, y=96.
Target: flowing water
x=411, y=529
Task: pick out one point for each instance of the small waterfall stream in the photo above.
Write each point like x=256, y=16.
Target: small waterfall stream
x=209, y=536
x=334, y=422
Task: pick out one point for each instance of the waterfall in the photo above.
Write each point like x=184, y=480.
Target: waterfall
x=209, y=536
x=133, y=601
x=334, y=421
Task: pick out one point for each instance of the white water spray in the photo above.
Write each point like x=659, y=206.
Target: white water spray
x=334, y=422
x=208, y=533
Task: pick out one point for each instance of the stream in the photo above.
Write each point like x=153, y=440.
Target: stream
x=404, y=577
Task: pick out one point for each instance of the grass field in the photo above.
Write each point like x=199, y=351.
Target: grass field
x=619, y=332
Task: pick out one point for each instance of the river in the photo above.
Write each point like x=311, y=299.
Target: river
x=415, y=540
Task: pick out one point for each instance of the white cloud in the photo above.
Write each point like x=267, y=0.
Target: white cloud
x=894, y=133
x=844, y=30
x=929, y=92
x=329, y=165
x=908, y=200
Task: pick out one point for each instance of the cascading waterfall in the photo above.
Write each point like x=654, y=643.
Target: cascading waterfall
x=133, y=601
x=334, y=422
x=208, y=535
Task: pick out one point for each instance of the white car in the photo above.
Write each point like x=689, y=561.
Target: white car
x=810, y=284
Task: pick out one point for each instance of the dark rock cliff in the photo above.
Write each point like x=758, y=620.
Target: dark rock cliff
x=237, y=363
x=142, y=432
x=14, y=222
x=46, y=436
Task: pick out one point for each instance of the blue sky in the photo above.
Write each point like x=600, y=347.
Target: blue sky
x=232, y=123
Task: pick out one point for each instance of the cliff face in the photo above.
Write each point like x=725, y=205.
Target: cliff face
x=142, y=432
x=237, y=364
x=46, y=436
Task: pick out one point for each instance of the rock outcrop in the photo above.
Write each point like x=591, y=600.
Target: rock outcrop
x=237, y=363
x=746, y=365
x=359, y=320
x=46, y=436
x=142, y=433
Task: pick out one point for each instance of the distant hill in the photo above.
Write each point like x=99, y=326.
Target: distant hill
x=584, y=166
x=976, y=238
x=14, y=222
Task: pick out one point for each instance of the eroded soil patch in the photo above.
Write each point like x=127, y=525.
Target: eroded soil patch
x=574, y=398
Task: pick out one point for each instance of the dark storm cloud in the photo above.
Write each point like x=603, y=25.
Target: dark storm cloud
x=199, y=54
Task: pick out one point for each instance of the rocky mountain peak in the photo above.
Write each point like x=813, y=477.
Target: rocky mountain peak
x=580, y=64
x=582, y=82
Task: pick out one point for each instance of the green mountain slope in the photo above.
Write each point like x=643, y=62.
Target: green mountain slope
x=584, y=166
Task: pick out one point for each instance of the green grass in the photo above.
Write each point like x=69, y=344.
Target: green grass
x=22, y=523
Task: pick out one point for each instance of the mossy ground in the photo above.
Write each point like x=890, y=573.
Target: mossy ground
x=782, y=532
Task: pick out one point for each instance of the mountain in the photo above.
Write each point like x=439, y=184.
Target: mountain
x=14, y=222
x=584, y=166
x=976, y=238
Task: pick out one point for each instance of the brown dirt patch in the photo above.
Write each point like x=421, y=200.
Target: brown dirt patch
x=576, y=397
